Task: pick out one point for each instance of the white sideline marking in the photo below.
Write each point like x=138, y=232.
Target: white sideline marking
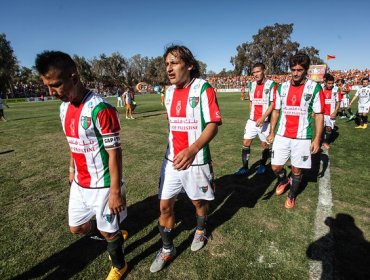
x=323, y=211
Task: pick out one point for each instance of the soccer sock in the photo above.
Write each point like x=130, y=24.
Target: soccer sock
x=166, y=235
x=365, y=119
x=116, y=250
x=265, y=155
x=327, y=136
x=245, y=155
x=361, y=120
x=295, y=183
x=201, y=222
x=350, y=111
x=281, y=175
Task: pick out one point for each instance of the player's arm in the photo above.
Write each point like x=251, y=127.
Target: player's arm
x=269, y=110
x=334, y=114
x=274, y=118
x=353, y=99
x=185, y=158
x=319, y=126
x=116, y=203
x=71, y=170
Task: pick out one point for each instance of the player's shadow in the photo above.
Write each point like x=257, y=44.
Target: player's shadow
x=236, y=192
x=344, y=252
x=74, y=258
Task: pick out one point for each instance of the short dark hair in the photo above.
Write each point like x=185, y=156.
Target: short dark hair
x=54, y=59
x=301, y=59
x=329, y=77
x=259, y=64
x=364, y=79
x=187, y=56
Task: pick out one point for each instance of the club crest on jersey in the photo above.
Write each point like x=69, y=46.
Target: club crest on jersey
x=204, y=188
x=304, y=158
x=307, y=96
x=266, y=91
x=193, y=101
x=108, y=217
x=178, y=108
x=85, y=122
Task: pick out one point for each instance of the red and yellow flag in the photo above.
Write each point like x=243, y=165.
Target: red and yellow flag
x=328, y=57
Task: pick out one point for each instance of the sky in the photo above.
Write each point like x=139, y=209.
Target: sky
x=210, y=29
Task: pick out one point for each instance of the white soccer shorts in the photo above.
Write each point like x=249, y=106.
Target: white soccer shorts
x=363, y=108
x=85, y=203
x=328, y=121
x=197, y=181
x=344, y=103
x=298, y=150
x=251, y=130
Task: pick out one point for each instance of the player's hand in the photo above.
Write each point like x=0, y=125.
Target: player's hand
x=185, y=158
x=333, y=116
x=315, y=146
x=260, y=122
x=270, y=138
x=116, y=203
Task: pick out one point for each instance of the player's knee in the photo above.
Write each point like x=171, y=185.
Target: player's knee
x=75, y=230
x=276, y=168
x=328, y=129
x=296, y=171
x=166, y=210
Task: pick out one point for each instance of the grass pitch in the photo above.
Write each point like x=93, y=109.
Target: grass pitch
x=253, y=235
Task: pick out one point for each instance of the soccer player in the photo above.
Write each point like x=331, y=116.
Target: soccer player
x=92, y=128
x=345, y=88
x=363, y=95
x=295, y=100
x=193, y=117
x=332, y=98
x=119, y=97
x=261, y=106
x=127, y=96
x=2, y=104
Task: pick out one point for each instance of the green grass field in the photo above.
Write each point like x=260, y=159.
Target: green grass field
x=253, y=235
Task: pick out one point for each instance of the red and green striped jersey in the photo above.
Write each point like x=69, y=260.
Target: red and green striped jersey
x=91, y=129
x=189, y=110
x=332, y=97
x=260, y=97
x=296, y=104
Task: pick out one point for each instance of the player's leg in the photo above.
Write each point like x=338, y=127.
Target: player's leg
x=300, y=158
x=169, y=187
x=360, y=110
x=365, y=118
x=198, y=184
x=279, y=156
x=250, y=132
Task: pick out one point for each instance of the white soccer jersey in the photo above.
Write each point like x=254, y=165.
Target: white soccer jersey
x=260, y=97
x=363, y=94
x=91, y=129
x=189, y=110
x=296, y=104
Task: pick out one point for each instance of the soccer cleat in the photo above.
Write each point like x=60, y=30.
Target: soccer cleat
x=280, y=189
x=261, y=169
x=289, y=202
x=364, y=126
x=127, y=118
x=116, y=273
x=360, y=126
x=162, y=257
x=242, y=171
x=199, y=240
x=124, y=234
x=352, y=117
x=132, y=118
x=343, y=117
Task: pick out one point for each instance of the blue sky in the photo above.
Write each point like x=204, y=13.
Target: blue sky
x=211, y=29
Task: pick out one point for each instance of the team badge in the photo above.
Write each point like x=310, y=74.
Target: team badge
x=204, y=188
x=307, y=96
x=85, y=122
x=108, y=218
x=266, y=91
x=304, y=158
x=193, y=101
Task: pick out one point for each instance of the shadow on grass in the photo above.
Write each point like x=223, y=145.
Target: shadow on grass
x=344, y=252
x=74, y=258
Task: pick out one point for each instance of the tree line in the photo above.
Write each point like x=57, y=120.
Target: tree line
x=272, y=45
